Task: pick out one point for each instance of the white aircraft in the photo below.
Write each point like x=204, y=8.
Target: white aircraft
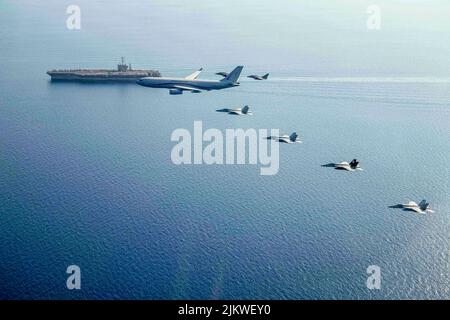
x=237, y=111
x=344, y=165
x=191, y=83
x=423, y=207
x=293, y=138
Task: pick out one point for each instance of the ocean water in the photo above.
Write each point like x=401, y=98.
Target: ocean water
x=86, y=176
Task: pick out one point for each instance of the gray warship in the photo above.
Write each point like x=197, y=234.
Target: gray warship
x=124, y=73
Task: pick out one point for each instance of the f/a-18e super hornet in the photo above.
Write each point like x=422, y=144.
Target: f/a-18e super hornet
x=344, y=165
x=256, y=77
x=293, y=138
x=191, y=83
x=237, y=111
x=223, y=74
x=423, y=207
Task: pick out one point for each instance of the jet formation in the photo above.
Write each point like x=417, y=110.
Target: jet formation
x=230, y=80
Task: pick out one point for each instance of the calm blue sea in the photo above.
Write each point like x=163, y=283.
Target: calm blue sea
x=86, y=176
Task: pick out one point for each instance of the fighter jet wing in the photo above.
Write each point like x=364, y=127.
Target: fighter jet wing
x=416, y=209
x=343, y=165
x=223, y=110
x=284, y=139
x=194, y=75
x=187, y=88
x=235, y=111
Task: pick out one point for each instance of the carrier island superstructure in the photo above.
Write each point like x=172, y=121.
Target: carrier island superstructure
x=124, y=73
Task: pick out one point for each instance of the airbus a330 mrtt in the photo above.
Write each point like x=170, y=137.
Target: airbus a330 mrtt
x=191, y=83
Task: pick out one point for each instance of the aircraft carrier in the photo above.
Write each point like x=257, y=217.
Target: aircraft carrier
x=124, y=73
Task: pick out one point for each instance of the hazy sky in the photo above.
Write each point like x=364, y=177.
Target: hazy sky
x=317, y=37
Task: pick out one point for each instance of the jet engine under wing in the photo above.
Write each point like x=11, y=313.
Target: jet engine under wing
x=187, y=88
x=194, y=75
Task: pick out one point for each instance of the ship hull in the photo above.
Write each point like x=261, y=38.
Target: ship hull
x=101, y=75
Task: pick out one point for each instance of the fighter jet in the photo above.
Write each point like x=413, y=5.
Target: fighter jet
x=237, y=111
x=223, y=74
x=423, y=207
x=191, y=83
x=293, y=138
x=344, y=165
x=256, y=77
